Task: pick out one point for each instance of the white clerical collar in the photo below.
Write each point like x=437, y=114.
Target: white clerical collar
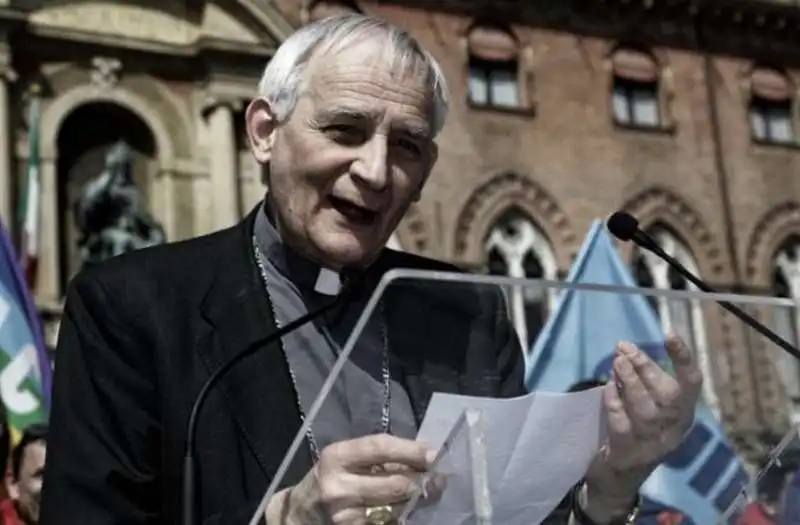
x=294, y=267
x=328, y=282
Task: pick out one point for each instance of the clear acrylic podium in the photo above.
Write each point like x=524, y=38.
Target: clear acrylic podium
x=567, y=334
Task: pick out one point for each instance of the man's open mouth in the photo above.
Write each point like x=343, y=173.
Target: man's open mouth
x=354, y=212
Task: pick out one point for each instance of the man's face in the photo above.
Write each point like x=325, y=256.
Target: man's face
x=27, y=489
x=351, y=157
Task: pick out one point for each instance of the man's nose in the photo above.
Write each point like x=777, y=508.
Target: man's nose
x=372, y=167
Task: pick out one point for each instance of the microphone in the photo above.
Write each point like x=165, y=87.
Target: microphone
x=625, y=227
x=188, y=496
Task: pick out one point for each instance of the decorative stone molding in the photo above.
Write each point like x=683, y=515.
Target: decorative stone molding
x=660, y=205
x=7, y=72
x=8, y=75
x=132, y=22
x=105, y=72
x=166, y=115
x=221, y=24
x=767, y=235
x=213, y=100
x=59, y=109
x=498, y=195
x=187, y=168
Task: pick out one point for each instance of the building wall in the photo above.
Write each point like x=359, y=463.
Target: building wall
x=564, y=162
x=560, y=159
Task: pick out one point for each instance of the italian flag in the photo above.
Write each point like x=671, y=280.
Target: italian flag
x=31, y=197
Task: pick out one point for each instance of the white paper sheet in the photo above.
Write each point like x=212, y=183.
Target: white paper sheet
x=538, y=447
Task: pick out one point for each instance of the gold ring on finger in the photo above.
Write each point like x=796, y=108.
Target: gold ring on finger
x=379, y=514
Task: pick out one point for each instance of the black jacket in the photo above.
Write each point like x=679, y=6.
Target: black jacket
x=142, y=332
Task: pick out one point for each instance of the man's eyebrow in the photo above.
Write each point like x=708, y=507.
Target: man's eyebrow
x=414, y=128
x=333, y=112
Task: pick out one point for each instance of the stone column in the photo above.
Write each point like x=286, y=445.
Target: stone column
x=6, y=144
x=223, y=165
x=162, y=197
x=48, y=279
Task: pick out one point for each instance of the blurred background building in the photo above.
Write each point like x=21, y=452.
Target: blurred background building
x=682, y=112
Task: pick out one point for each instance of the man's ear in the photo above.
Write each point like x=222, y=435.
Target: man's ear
x=261, y=124
x=433, y=155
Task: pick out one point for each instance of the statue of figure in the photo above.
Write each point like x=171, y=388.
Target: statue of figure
x=110, y=214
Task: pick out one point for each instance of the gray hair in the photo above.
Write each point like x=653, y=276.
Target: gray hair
x=283, y=78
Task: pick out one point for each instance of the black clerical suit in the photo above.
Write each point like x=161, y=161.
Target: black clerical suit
x=142, y=332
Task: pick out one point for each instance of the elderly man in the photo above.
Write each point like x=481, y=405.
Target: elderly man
x=346, y=121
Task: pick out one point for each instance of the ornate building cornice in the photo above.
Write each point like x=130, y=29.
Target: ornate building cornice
x=753, y=29
x=188, y=29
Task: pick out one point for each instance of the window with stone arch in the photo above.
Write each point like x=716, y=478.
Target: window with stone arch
x=786, y=283
x=636, y=89
x=493, y=66
x=771, y=106
x=516, y=247
x=683, y=316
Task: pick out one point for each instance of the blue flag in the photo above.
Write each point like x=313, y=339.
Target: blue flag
x=24, y=366
x=703, y=476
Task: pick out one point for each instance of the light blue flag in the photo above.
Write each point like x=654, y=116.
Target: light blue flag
x=703, y=476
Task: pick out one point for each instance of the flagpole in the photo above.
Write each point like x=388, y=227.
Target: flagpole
x=29, y=245
x=32, y=195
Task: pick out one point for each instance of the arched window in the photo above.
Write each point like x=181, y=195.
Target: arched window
x=635, y=89
x=85, y=139
x=683, y=316
x=771, y=102
x=786, y=283
x=493, y=67
x=515, y=247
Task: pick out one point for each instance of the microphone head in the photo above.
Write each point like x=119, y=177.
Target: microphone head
x=622, y=225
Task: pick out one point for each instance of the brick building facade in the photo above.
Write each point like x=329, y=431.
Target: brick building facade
x=682, y=112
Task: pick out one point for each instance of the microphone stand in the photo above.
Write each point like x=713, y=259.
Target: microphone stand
x=648, y=243
x=189, y=482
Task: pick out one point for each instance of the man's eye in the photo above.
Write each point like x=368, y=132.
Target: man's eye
x=345, y=133
x=409, y=146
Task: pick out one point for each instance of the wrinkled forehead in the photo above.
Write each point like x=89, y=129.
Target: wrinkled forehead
x=400, y=58
x=371, y=63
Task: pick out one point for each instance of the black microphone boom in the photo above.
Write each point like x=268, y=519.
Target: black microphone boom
x=188, y=499
x=625, y=227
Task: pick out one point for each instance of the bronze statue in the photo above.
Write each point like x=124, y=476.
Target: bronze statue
x=110, y=213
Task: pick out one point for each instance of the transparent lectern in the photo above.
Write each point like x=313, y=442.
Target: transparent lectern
x=462, y=345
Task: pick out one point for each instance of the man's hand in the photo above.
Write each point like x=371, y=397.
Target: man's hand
x=649, y=412
x=352, y=476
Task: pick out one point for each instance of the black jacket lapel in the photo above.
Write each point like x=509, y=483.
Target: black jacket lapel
x=259, y=389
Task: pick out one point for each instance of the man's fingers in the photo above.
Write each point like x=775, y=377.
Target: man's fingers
x=434, y=487
x=384, y=489
x=687, y=372
x=377, y=450
x=619, y=422
x=430, y=484
x=655, y=378
x=635, y=394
